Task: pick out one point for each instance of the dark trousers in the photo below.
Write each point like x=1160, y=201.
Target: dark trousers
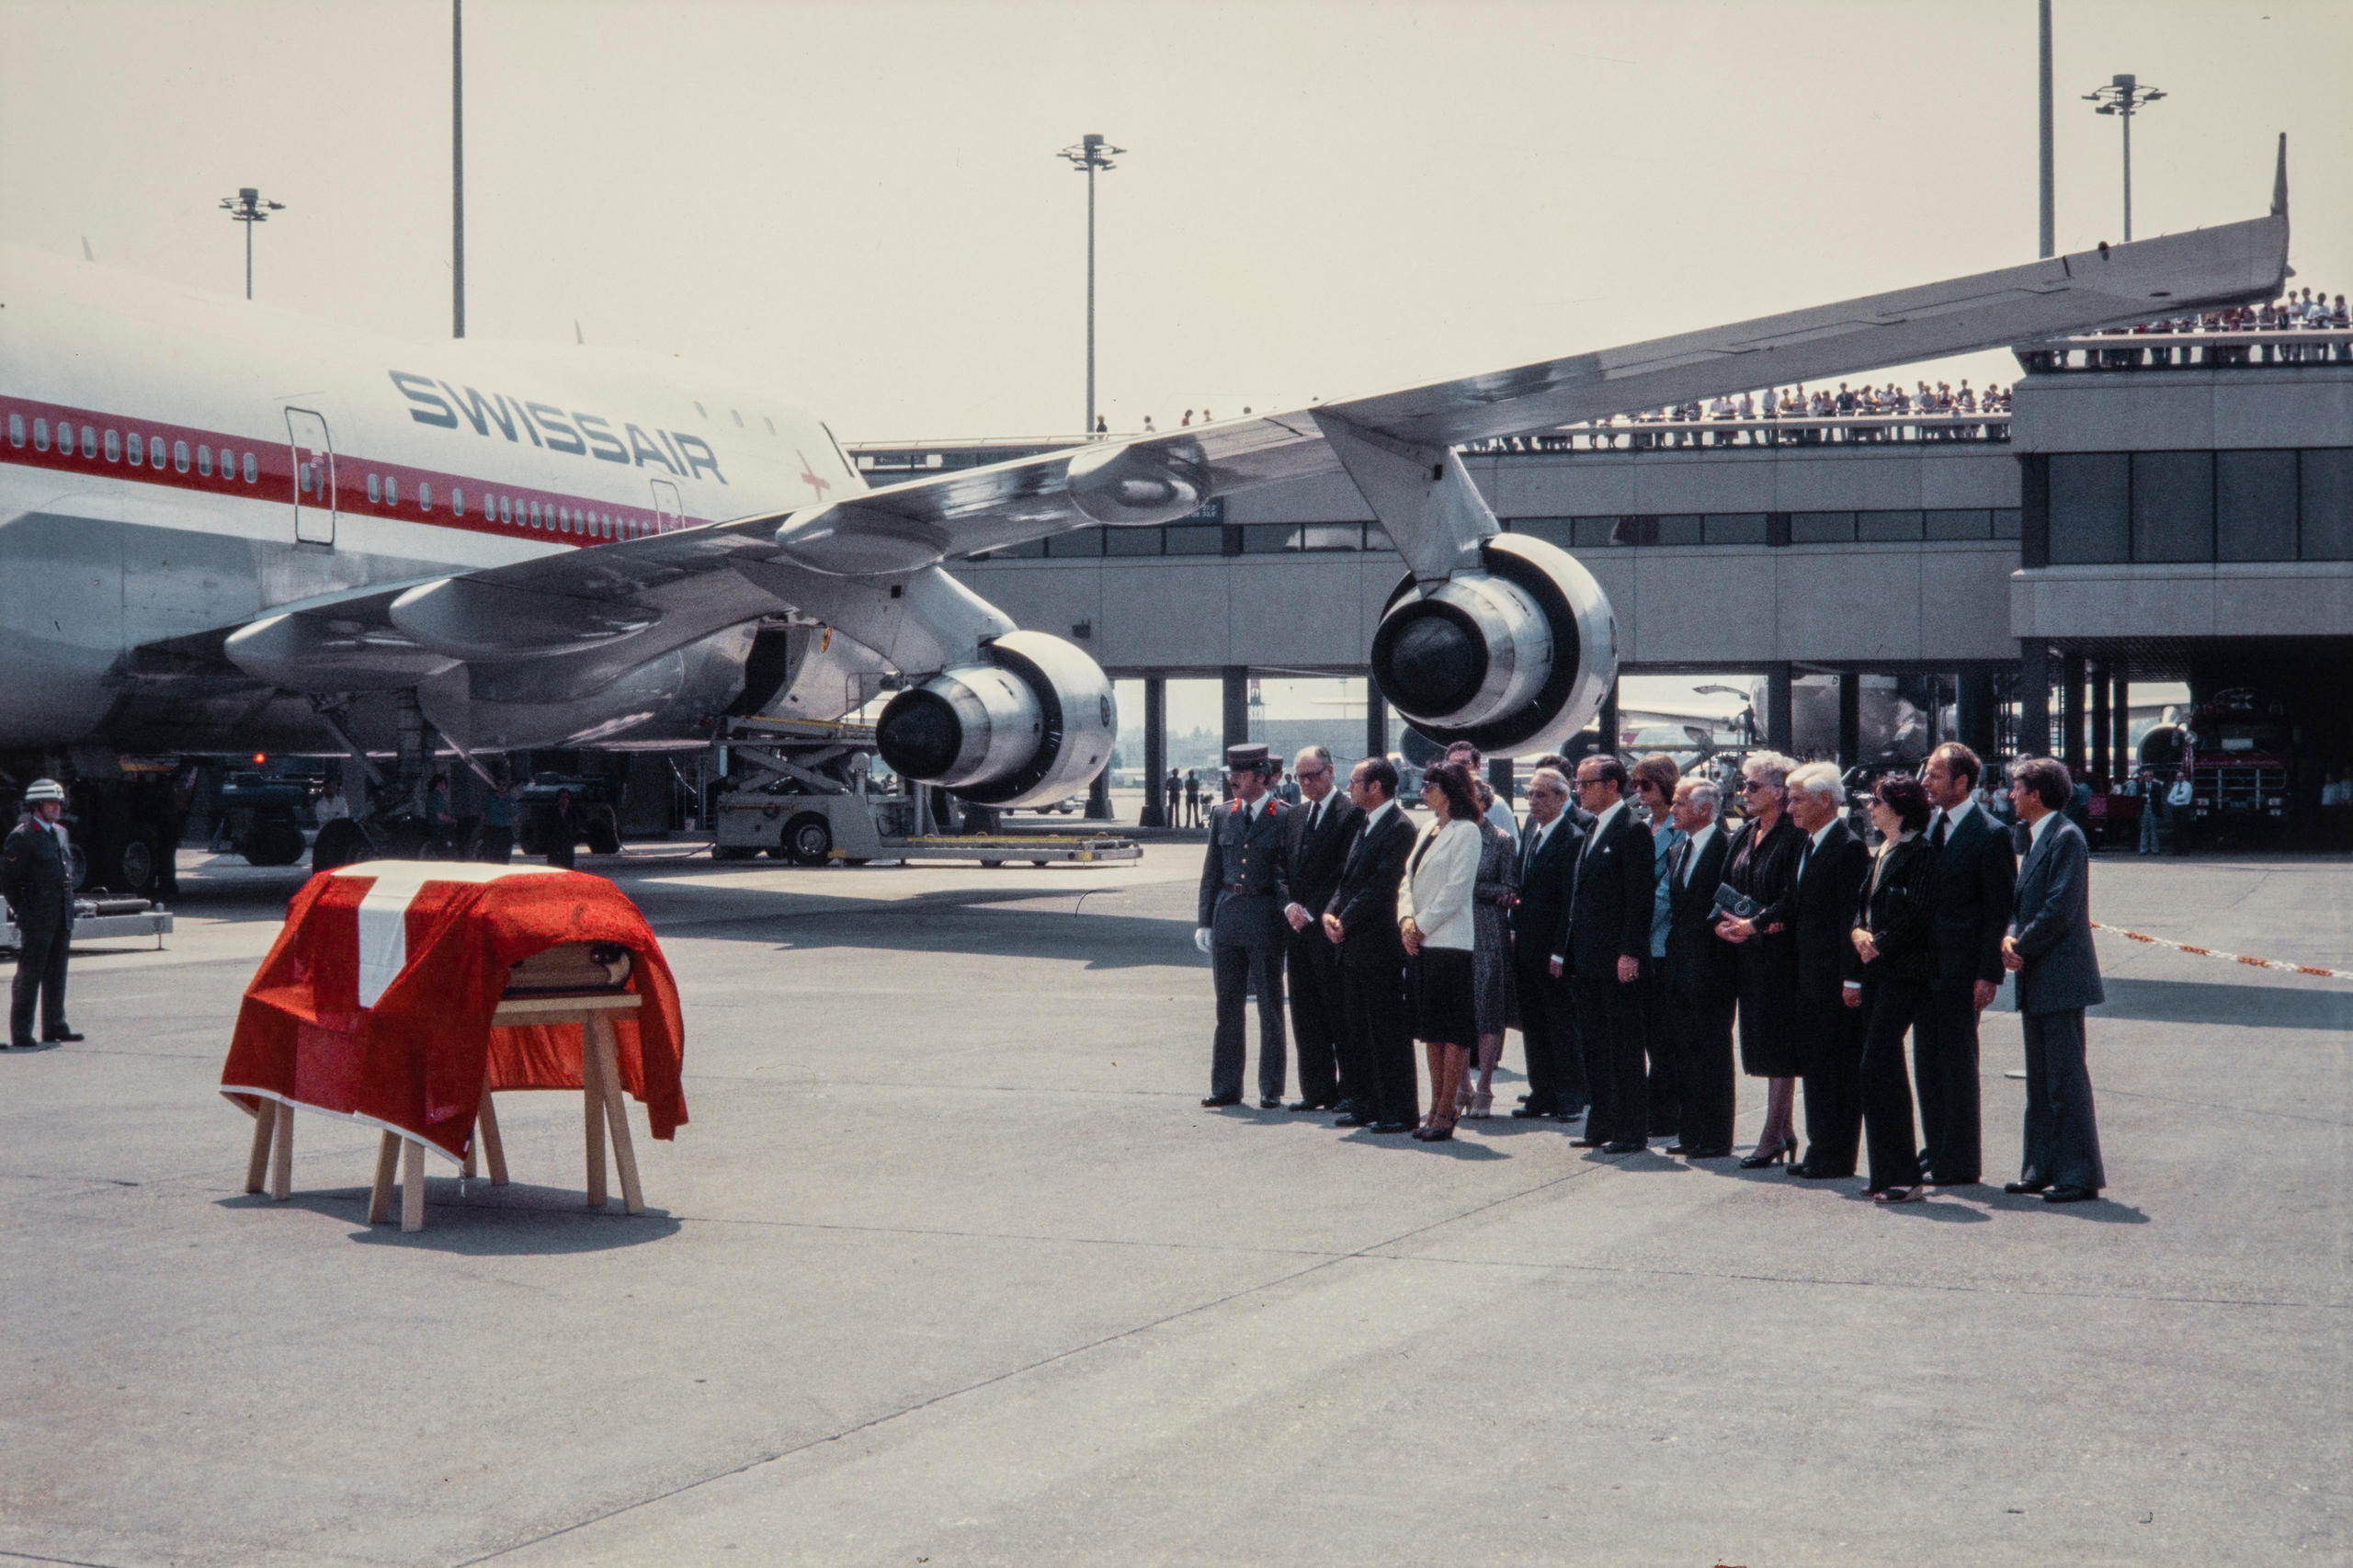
x=1830, y=1046
x=1663, y=1048
x=1609, y=1029
x=1379, y=1035
x=497, y=846
x=2061, y=1132
x=1315, y=975
x=41, y=970
x=1548, y=1037
x=1701, y=1025
x=1241, y=972
x=1889, y=1009
x=1944, y=1064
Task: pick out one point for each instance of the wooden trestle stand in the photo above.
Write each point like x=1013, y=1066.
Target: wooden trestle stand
x=603, y=1106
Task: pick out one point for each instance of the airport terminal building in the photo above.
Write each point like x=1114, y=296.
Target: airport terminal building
x=2155, y=507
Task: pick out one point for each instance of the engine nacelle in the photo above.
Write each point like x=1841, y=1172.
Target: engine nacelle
x=1033, y=725
x=1515, y=657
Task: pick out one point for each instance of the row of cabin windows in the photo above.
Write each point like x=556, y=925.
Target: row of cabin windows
x=138, y=449
x=384, y=490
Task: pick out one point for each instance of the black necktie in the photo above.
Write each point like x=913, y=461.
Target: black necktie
x=1936, y=838
x=1683, y=863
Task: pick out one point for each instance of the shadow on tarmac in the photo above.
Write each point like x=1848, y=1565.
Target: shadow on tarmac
x=519, y=1219
x=2222, y=1002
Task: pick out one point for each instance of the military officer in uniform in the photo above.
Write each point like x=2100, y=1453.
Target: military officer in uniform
x=36, y=877
x=1243, y=889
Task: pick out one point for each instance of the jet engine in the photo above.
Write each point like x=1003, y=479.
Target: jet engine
x=1514, y=657
x=1030, y=726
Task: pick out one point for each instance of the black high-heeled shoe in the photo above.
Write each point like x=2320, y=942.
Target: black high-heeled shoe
x=1763, y=1157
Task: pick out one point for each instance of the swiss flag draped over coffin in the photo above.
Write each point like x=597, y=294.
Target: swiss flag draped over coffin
x=375, y=1002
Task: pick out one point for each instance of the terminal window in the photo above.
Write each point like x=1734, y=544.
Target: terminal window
x=2115, y=507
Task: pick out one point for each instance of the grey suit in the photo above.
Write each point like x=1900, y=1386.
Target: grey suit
x=1245, y=884
x=2051, y=924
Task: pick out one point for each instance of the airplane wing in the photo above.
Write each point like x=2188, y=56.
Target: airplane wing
x=870, y=564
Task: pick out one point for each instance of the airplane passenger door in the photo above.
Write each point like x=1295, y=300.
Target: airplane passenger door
x=314, y=477
x=671, y=515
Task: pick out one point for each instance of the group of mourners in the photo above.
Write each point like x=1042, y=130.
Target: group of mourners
x=1643, y=936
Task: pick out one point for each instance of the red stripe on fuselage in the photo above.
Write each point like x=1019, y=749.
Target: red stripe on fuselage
x=274, y=466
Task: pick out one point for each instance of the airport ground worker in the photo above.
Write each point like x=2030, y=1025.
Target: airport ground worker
x=36, y=877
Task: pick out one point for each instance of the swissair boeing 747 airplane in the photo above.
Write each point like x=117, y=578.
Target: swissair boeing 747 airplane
x=225, y=527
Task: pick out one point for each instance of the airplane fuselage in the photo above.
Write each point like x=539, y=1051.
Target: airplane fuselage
x=175, y=464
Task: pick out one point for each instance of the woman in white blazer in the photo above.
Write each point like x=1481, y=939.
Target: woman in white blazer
x=1434, y=914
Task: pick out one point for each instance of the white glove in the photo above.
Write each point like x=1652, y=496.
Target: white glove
x=1201, y=938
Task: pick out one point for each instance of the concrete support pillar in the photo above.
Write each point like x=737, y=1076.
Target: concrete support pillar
x=2120, y=713
x=1850, y=718
x=1779, y=728
x=1974, y=711
x=2071, y=712
x=1237, y=706
x=2034, y=698
x=1155, y=752
x=1376, y=719
x=2099, y=727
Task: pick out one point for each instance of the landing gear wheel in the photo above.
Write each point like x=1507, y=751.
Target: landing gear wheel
x=413, y=840
x=808, y=839
x=340, y=842
x=271, y=844
x=134, y=866
x=603, y=833
x=991, y=864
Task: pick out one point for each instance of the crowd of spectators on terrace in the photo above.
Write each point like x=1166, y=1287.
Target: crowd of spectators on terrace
x=2292, y=311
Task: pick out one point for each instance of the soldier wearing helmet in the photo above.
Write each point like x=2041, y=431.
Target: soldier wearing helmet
x=36, y=877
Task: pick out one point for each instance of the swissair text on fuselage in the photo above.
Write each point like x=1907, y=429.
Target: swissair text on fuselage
x=581, y=435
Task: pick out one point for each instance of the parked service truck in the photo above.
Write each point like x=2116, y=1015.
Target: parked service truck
x=805, y=790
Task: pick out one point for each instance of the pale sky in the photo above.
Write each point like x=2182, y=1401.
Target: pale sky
x=862, y=204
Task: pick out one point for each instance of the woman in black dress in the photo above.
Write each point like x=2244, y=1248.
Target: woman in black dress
x=1762, y=866
x=1895, y=932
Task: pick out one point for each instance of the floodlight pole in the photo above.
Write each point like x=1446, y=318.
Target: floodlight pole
x=248, y=208
x=2124, y=96
x=457, y=168
x=1091, y=153
x=2048, y=192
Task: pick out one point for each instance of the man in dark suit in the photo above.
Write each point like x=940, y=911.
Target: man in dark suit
x=2048, y=947
x=1831, y=870
x=1243, y=889
x=1610, y=940
x=1976, y=880
x=1548, y=847
x=1321, y=829
x=1376, y=1033
x=1703, y=975
x=37, y=879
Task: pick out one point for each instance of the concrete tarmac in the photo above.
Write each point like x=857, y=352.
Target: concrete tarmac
x=949, y=1267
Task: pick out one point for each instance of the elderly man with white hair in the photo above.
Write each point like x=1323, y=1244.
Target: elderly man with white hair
x=1831, y=869
x=1550, y=846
